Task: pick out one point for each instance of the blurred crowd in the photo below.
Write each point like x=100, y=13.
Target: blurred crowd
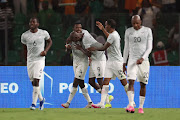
x=58, y=17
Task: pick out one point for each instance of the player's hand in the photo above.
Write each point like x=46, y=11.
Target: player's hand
x=68, y=40
x=68, y=46
x=79, y=47
x=100, y=26
x=124, y=68
x=139, y=61
x=43, y=53
x=92, y=49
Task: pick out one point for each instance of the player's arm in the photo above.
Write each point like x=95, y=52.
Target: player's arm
x=101, y=27
x=25, y=51
x=49, y=44
x=103, y=48
x=126, y=51
x=149, y=47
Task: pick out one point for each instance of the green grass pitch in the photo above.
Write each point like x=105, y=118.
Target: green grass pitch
x=88, y=114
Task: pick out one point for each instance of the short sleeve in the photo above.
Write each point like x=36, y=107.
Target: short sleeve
x=110, y=39
x=47, y=36
x=23, y=40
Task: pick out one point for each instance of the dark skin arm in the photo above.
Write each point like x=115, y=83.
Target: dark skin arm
x=49, y=41
x=25, y=52
x=101, y=27
x=106, y=45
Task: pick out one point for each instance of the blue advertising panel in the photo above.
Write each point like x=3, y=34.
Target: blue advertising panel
x=16, y=88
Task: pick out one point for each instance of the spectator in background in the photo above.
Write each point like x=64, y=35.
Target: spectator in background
x=160, y=55
x=45, y=15
x=96, y=8
x=174, y=36
x=148, y=13
x=130, y=5
x=20, y=6
x=69, y=9
x=110, y=5
x=169, y=6
x=5, y=12
x=173, y=45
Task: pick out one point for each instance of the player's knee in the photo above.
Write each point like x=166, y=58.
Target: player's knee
x=142, y=85
x=35, y=82
x=91, y=82
x=81, y=86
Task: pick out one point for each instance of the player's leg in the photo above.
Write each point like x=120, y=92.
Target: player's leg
x=92, y=77
x=38, y=73
x=85, y=93
x=104, y=93
x=36, y=91
x=142, y=97
x=143, y=76
x=132, y=75
x=94, y=84
x=72, y=93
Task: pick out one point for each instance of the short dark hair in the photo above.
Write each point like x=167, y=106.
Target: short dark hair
x=78, y=22
x=112, y=23
x=35, y=18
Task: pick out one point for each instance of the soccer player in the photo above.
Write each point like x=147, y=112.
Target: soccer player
x=138, y=46
x=114, y=65
x=33, y=41
x=80, y=65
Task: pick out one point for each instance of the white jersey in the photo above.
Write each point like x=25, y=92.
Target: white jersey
x=35, y=43
x=138, y=43
x=78, y=55
x=114, y=50
x=89, y=41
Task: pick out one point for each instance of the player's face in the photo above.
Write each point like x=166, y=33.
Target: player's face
x=107, y=27
x=77, y=37
x=136, y=23
x=78, y=28
x=33, y=24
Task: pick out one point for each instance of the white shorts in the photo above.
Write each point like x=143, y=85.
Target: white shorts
x=114, y=69
x=80, y=69
x=141, y=72
x=97, y=69
x=35, y=69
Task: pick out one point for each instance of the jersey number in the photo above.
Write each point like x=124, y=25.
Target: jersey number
x=137, y=39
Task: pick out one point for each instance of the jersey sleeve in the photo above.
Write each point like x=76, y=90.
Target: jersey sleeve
x=23, y=40
x=88, y=40
x=149, y=44
x=126, y=47
x=110, y=39
x=47, y=36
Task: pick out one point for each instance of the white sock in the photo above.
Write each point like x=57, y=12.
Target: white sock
x=131, y=97
x=126, y=87
x=104, y=93
x=99, y=90
x=40, y=95
x=141, y=101
x=86, y=95
x=35, y=94
x=71, y=95
x=107, y=99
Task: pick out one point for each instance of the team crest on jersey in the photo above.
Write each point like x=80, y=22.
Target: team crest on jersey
x=34, y=43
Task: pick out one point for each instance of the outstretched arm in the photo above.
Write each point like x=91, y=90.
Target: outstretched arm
x=101, y=27
x=103, y=48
